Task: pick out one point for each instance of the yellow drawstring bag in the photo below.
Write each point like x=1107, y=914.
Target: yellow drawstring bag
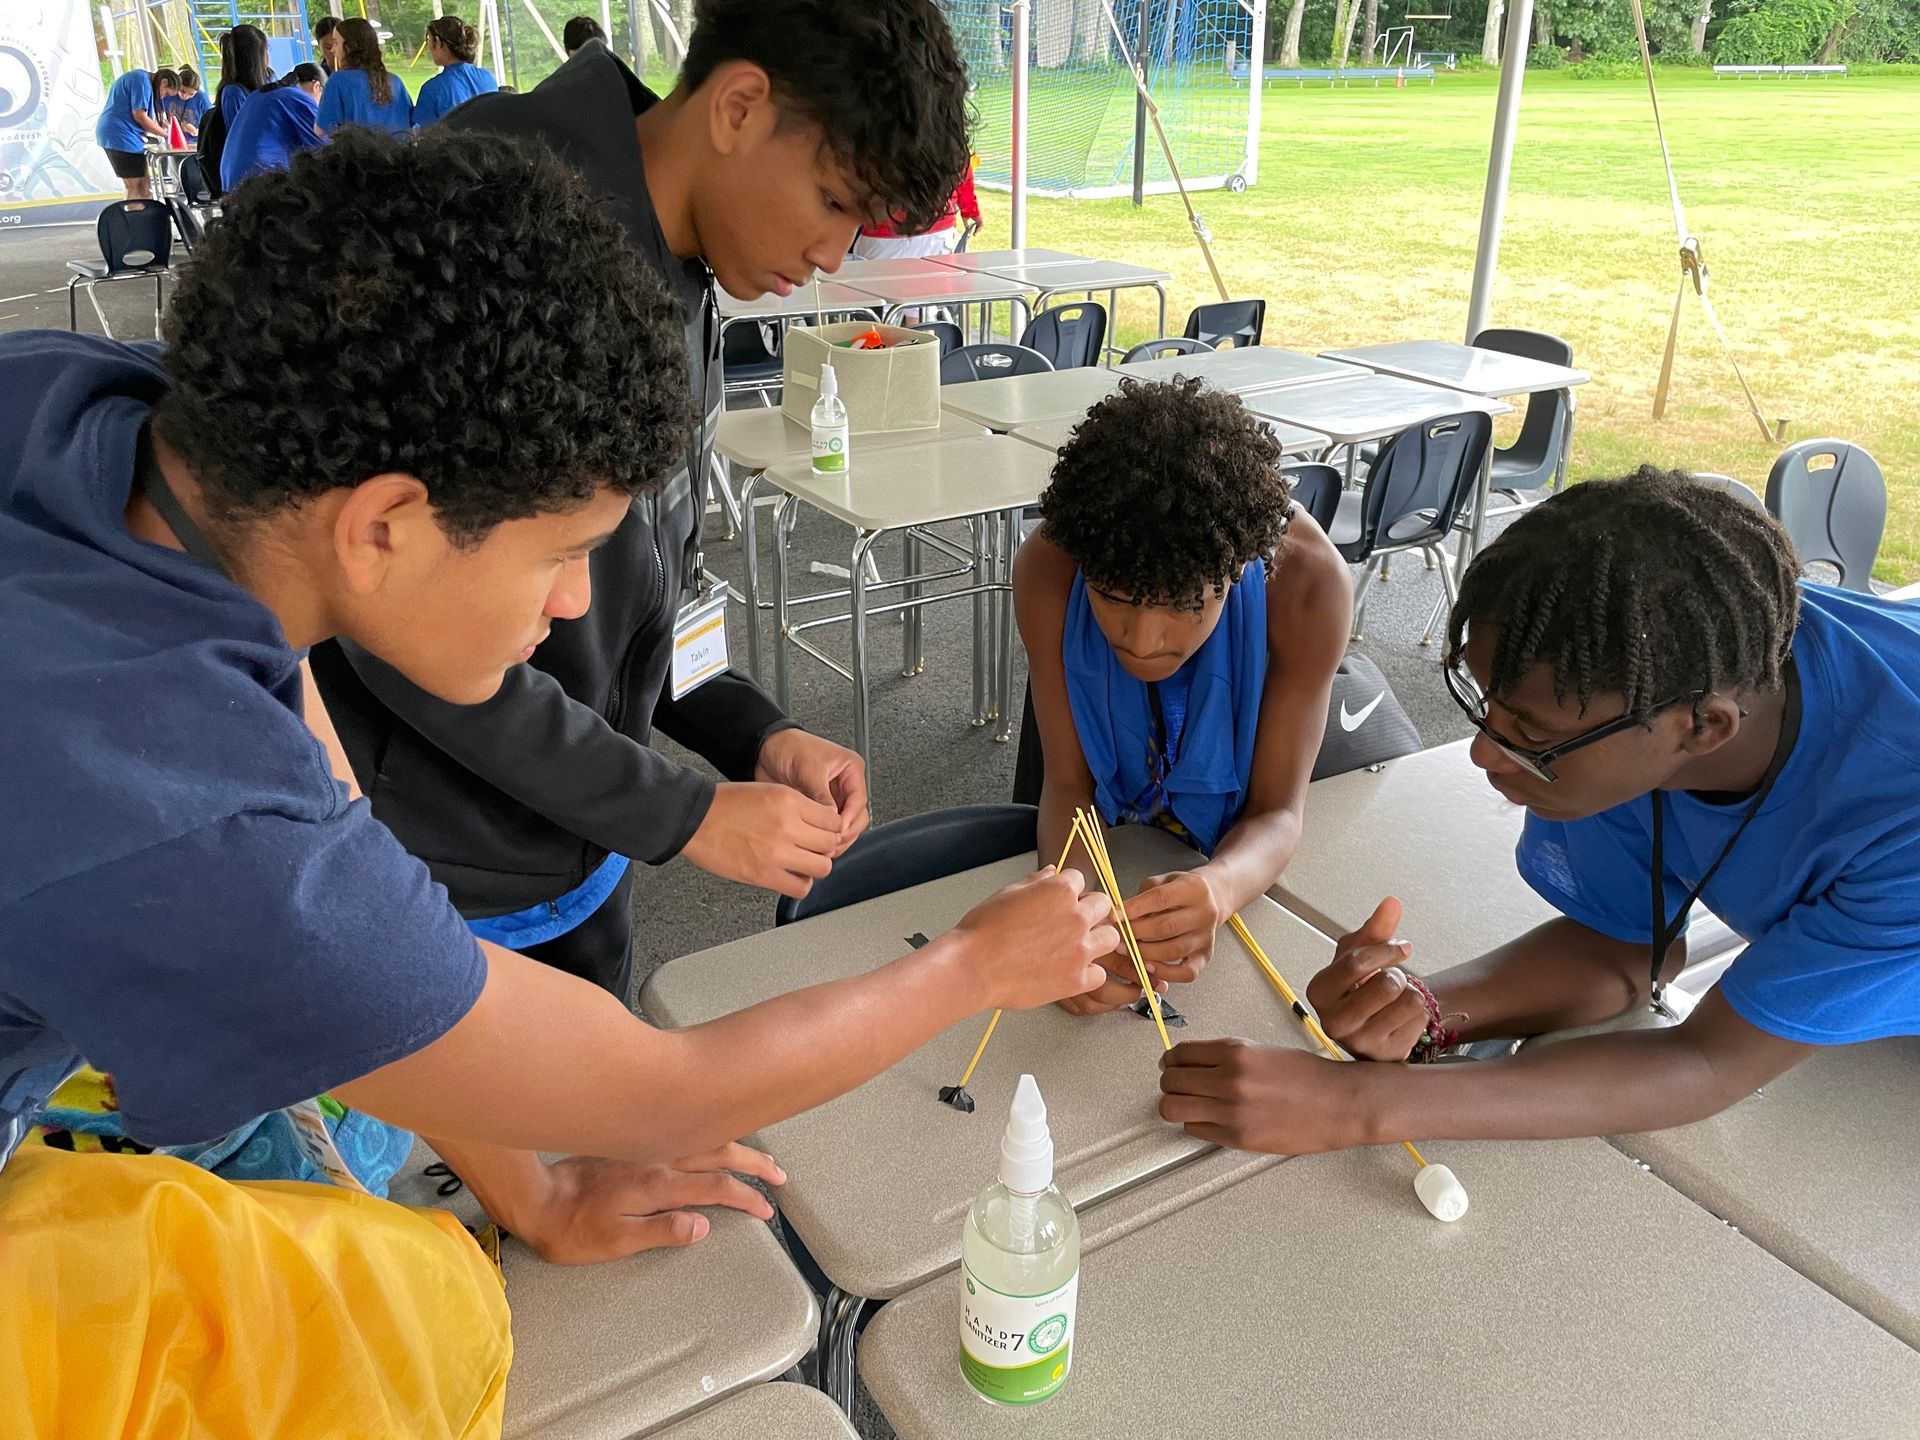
x=142, y=1296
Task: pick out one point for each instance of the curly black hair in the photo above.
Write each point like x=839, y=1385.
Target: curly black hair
x=457, y=308
x=1653, y=586
x=579, y=30
x=881, y=78
x=1165, y=492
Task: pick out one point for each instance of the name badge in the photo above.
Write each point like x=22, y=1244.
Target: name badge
x=699, y=643
x=311, y=1135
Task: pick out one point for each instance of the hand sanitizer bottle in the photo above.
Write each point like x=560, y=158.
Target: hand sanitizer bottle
x=829, y=427
x=1020, y=1268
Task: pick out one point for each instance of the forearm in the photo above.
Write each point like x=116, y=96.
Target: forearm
x=1058, y=801
x=1251, y=856
x=1557, y=976
x=513, y=1073
x=1595, y=1085
x=725, y=722
x=509, y=1184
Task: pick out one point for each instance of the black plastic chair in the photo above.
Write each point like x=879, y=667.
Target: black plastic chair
x=1538, y=458
x=1832, y=498
x=991, y=360
x=1316, y=490
x=1165, y=348
x=136, y=243
x=1732, y=487
x=913, y=851
x=188, y=221
x=945, y=331
x=1419, y=485
x=750, y=359
x=1070, y=336
x=193, y=182
x=1235, y=323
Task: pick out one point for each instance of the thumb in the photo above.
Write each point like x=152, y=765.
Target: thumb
x=674, y=1229
x=1379, y=927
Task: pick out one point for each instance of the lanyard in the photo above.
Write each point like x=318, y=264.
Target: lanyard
x=161, y=495
x=1666, y=931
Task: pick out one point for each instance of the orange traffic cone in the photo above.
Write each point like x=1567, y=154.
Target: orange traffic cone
x=176, y=138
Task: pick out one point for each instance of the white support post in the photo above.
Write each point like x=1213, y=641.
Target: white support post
x=606, y=19
x=114, y=60
x=1017, y=211
x=559, y=51
x=1256, y=70
x=1493, y=206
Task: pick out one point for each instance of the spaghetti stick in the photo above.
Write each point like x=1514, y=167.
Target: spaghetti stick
x=1279, y=982
x=953, y=1093
x=1097, y=844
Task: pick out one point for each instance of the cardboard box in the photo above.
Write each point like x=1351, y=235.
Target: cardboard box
x=897, y=388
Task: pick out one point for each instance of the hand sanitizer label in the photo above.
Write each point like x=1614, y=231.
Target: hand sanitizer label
x=1015, y=1349
x=829, y=450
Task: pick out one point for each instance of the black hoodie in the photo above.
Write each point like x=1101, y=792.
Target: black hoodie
x=517, y=800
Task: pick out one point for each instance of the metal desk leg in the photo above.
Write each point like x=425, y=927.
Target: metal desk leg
x=839, y=1327
x=1008, y=521
x=911, y=660
x=782, y=521
x=750, y=581
x=1161, y=291
x=977, y=528
x=729, y=506
x=863, y=544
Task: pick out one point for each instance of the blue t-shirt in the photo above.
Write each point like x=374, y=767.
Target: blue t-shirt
x=450, y=89
x=115, y=129
x=189, y=109
x=348, y=100
x=1825, y=884
x=233, y=99
x=275, y=126
x=188, y=899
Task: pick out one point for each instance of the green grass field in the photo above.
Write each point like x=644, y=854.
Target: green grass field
x=1806, y=198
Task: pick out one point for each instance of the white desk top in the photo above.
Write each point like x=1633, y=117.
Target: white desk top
x=1818, y=1168
x=1579, y=1297
x=852, y=272
x=1010, y=401
x=1051, y=435
x=771, y=1412
x=605, y=1352
x=758, y=437
x=834, y=298
x=1462, y=367
x=1366, y=407
x=895, y=486
x=1085, y=275
x=952, y=287
x=1001, y=259
x=1428, y=829
x=1244, y=371
x=879, y=1180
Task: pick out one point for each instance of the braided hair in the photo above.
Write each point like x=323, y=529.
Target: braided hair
x=1653, y=585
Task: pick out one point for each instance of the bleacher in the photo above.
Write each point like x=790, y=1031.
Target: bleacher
x=1398, y=74
x=1787, y=72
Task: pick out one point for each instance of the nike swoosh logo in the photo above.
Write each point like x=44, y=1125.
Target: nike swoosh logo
x=1351, y=721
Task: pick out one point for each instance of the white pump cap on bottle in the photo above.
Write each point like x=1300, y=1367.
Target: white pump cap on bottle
x=829, y=383
x=1026, y=1150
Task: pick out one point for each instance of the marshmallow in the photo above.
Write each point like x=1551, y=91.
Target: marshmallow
x=1444, y=1196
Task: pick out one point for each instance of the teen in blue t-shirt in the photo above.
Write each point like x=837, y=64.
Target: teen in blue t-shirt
x=451, y=44
x=361, y=92
x=1182, y=666
x=1649, y=680
x=132, y=113
x=277, y=124
x=188, y=104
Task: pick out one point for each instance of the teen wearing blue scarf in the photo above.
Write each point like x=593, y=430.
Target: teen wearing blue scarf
x=1183, y=623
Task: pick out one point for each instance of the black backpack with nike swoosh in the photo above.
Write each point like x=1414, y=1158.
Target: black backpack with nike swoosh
x=1365, y=726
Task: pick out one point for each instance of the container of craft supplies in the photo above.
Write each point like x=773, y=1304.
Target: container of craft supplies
x=1020, y=1268
x=891, y=386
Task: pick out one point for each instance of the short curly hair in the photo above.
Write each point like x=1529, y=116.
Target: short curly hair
x=881, y=78
x=1166, y=491
x=457, y=308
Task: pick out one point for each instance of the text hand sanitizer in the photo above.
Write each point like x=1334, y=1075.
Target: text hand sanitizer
x=1020, y=1268
x=829, y=421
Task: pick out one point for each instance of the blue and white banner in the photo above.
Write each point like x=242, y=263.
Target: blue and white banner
x=51, y=171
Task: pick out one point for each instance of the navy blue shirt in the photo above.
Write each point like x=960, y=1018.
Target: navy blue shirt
x=187, y=898
x=275, y=126
x=1825, y=884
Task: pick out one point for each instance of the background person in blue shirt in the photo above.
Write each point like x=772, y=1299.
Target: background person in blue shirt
x=1644, y=643
x=1183, y=622
x=188, y=103
x=361, y=92
x=132, y=113
x=243, y=69
x=276, y=125
x=451, y=44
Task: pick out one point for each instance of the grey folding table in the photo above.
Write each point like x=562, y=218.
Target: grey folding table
x=1354, y=409
x=753, y=440
x=1579, y=1296
x=1245, y=370
x=1053, y=434
x=608, y=1351
x=1053, y=279
x=1010, y=401
x=906, y=488
x=880, y=1179
x=1000, y=259
x=779, y=1411
x=853, y=272
x=833, y=299
x=942, y=286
